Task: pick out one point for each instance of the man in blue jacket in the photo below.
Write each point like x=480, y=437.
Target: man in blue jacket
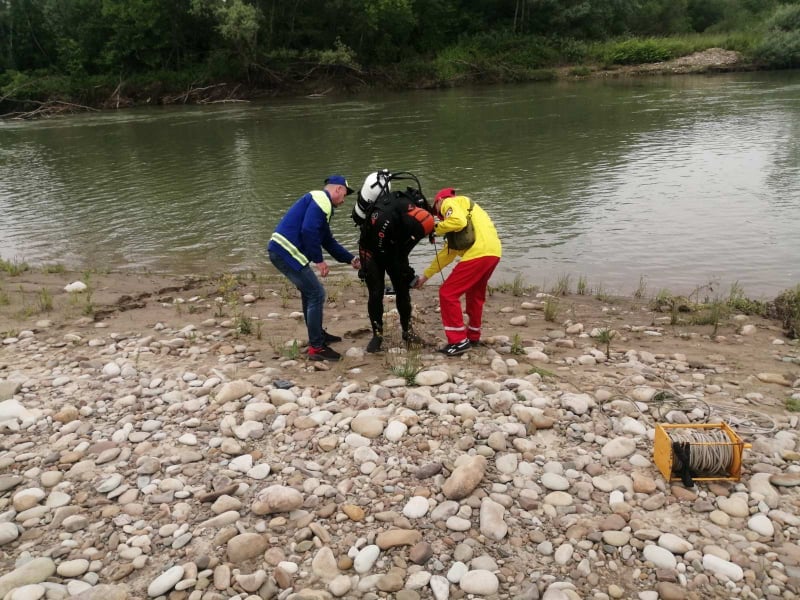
x=297, y=242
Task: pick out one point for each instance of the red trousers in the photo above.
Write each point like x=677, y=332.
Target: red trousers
x=471, y=278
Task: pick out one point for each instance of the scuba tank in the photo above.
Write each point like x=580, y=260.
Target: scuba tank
x=376, y=184
x=410, y=204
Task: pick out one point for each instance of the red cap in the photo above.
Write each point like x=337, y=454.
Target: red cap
x=445, y=193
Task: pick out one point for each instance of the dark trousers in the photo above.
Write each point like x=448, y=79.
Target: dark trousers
x=375, y=266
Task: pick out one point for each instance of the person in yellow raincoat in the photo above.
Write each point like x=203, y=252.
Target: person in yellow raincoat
x=470, y=277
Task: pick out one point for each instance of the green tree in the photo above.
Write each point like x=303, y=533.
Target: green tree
x=27, y=41
x=661, y=17
x=146, y=34
x=780, y=47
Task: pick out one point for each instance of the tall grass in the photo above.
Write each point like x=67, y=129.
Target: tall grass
x=658, y=49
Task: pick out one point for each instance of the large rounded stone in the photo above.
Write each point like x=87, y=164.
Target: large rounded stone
x=245, y=546
x=275, y=499
x=465, y=478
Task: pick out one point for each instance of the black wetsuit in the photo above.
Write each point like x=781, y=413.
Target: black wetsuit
x=388, y=234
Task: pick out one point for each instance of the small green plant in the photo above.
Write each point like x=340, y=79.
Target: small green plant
x=515, y=288
x=581, y=71
x=219, y=307
x=793, y=405
x=551, y=307
x=228, y=285
x=541, y=372
x=739, y=302
x=292, y=351
x=54, y=268
x=516, y=345
x=13, y=267
x=243, y=325
x=406, y=365
x=583, y=285
x=604, y=336
x=663, y=297
x=45, y=300
x=518, y=287
x=674, y=310
x=786, y=308
x=4, y=299
x=259, y=326
x=641, y=290
x=88, y=307
x=562, y=287
x=711, y=314
x=287, y=294
x=601, y=294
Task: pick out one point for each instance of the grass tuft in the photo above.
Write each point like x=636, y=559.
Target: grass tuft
x=551, y=308
x=13, y=267
x=583, y=285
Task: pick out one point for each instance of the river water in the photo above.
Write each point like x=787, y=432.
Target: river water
x=682, y=181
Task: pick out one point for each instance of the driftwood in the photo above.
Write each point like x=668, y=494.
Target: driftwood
x=210, y=94
x=50, y=108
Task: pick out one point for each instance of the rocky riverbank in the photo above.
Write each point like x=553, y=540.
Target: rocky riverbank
x=167, y=438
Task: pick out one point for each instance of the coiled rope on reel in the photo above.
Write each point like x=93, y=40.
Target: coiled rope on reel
x=706, y=453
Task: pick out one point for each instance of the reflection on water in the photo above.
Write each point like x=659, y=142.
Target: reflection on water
x=683, y=180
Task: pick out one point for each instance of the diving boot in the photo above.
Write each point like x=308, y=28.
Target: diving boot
x=412, y=339
x=375, y=344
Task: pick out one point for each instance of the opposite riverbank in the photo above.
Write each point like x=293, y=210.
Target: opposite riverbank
x=165, y=436
x=53, y=96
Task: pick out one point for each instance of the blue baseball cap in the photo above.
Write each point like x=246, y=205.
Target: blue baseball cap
x=339, y=180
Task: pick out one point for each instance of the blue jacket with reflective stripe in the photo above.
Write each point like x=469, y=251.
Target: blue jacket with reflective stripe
x=306, y=226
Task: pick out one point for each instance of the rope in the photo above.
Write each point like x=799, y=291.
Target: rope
x=707, y=453
x=669, y=400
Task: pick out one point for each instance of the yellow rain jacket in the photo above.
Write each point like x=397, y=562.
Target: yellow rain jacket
x=454, y=218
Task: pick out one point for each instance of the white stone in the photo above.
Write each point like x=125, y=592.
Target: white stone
x=111, y=369
x=432, y=377
x=553, y=481
x=660, y=557
x=395, y=431
x=8, y=533
x=366, y=558
x=75, y=287
x=440, y=587
x=73, y=568
x=761, y=524
x=563, y=554
x=480, y=582
x=418, y=580
x=457, y=570
x=416, y=507
x=32, y=591
x=619, y=447
x=674, y=543
x=719, y=566
x=578, y=404
x=340, y=585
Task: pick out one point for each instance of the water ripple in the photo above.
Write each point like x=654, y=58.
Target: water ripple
x=682, y=180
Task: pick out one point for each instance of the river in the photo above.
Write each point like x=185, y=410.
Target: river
x=675, y=181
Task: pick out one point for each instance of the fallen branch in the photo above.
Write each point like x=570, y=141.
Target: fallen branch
x=47, y=109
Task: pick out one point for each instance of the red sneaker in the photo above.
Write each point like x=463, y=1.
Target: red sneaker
x=323, y=353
